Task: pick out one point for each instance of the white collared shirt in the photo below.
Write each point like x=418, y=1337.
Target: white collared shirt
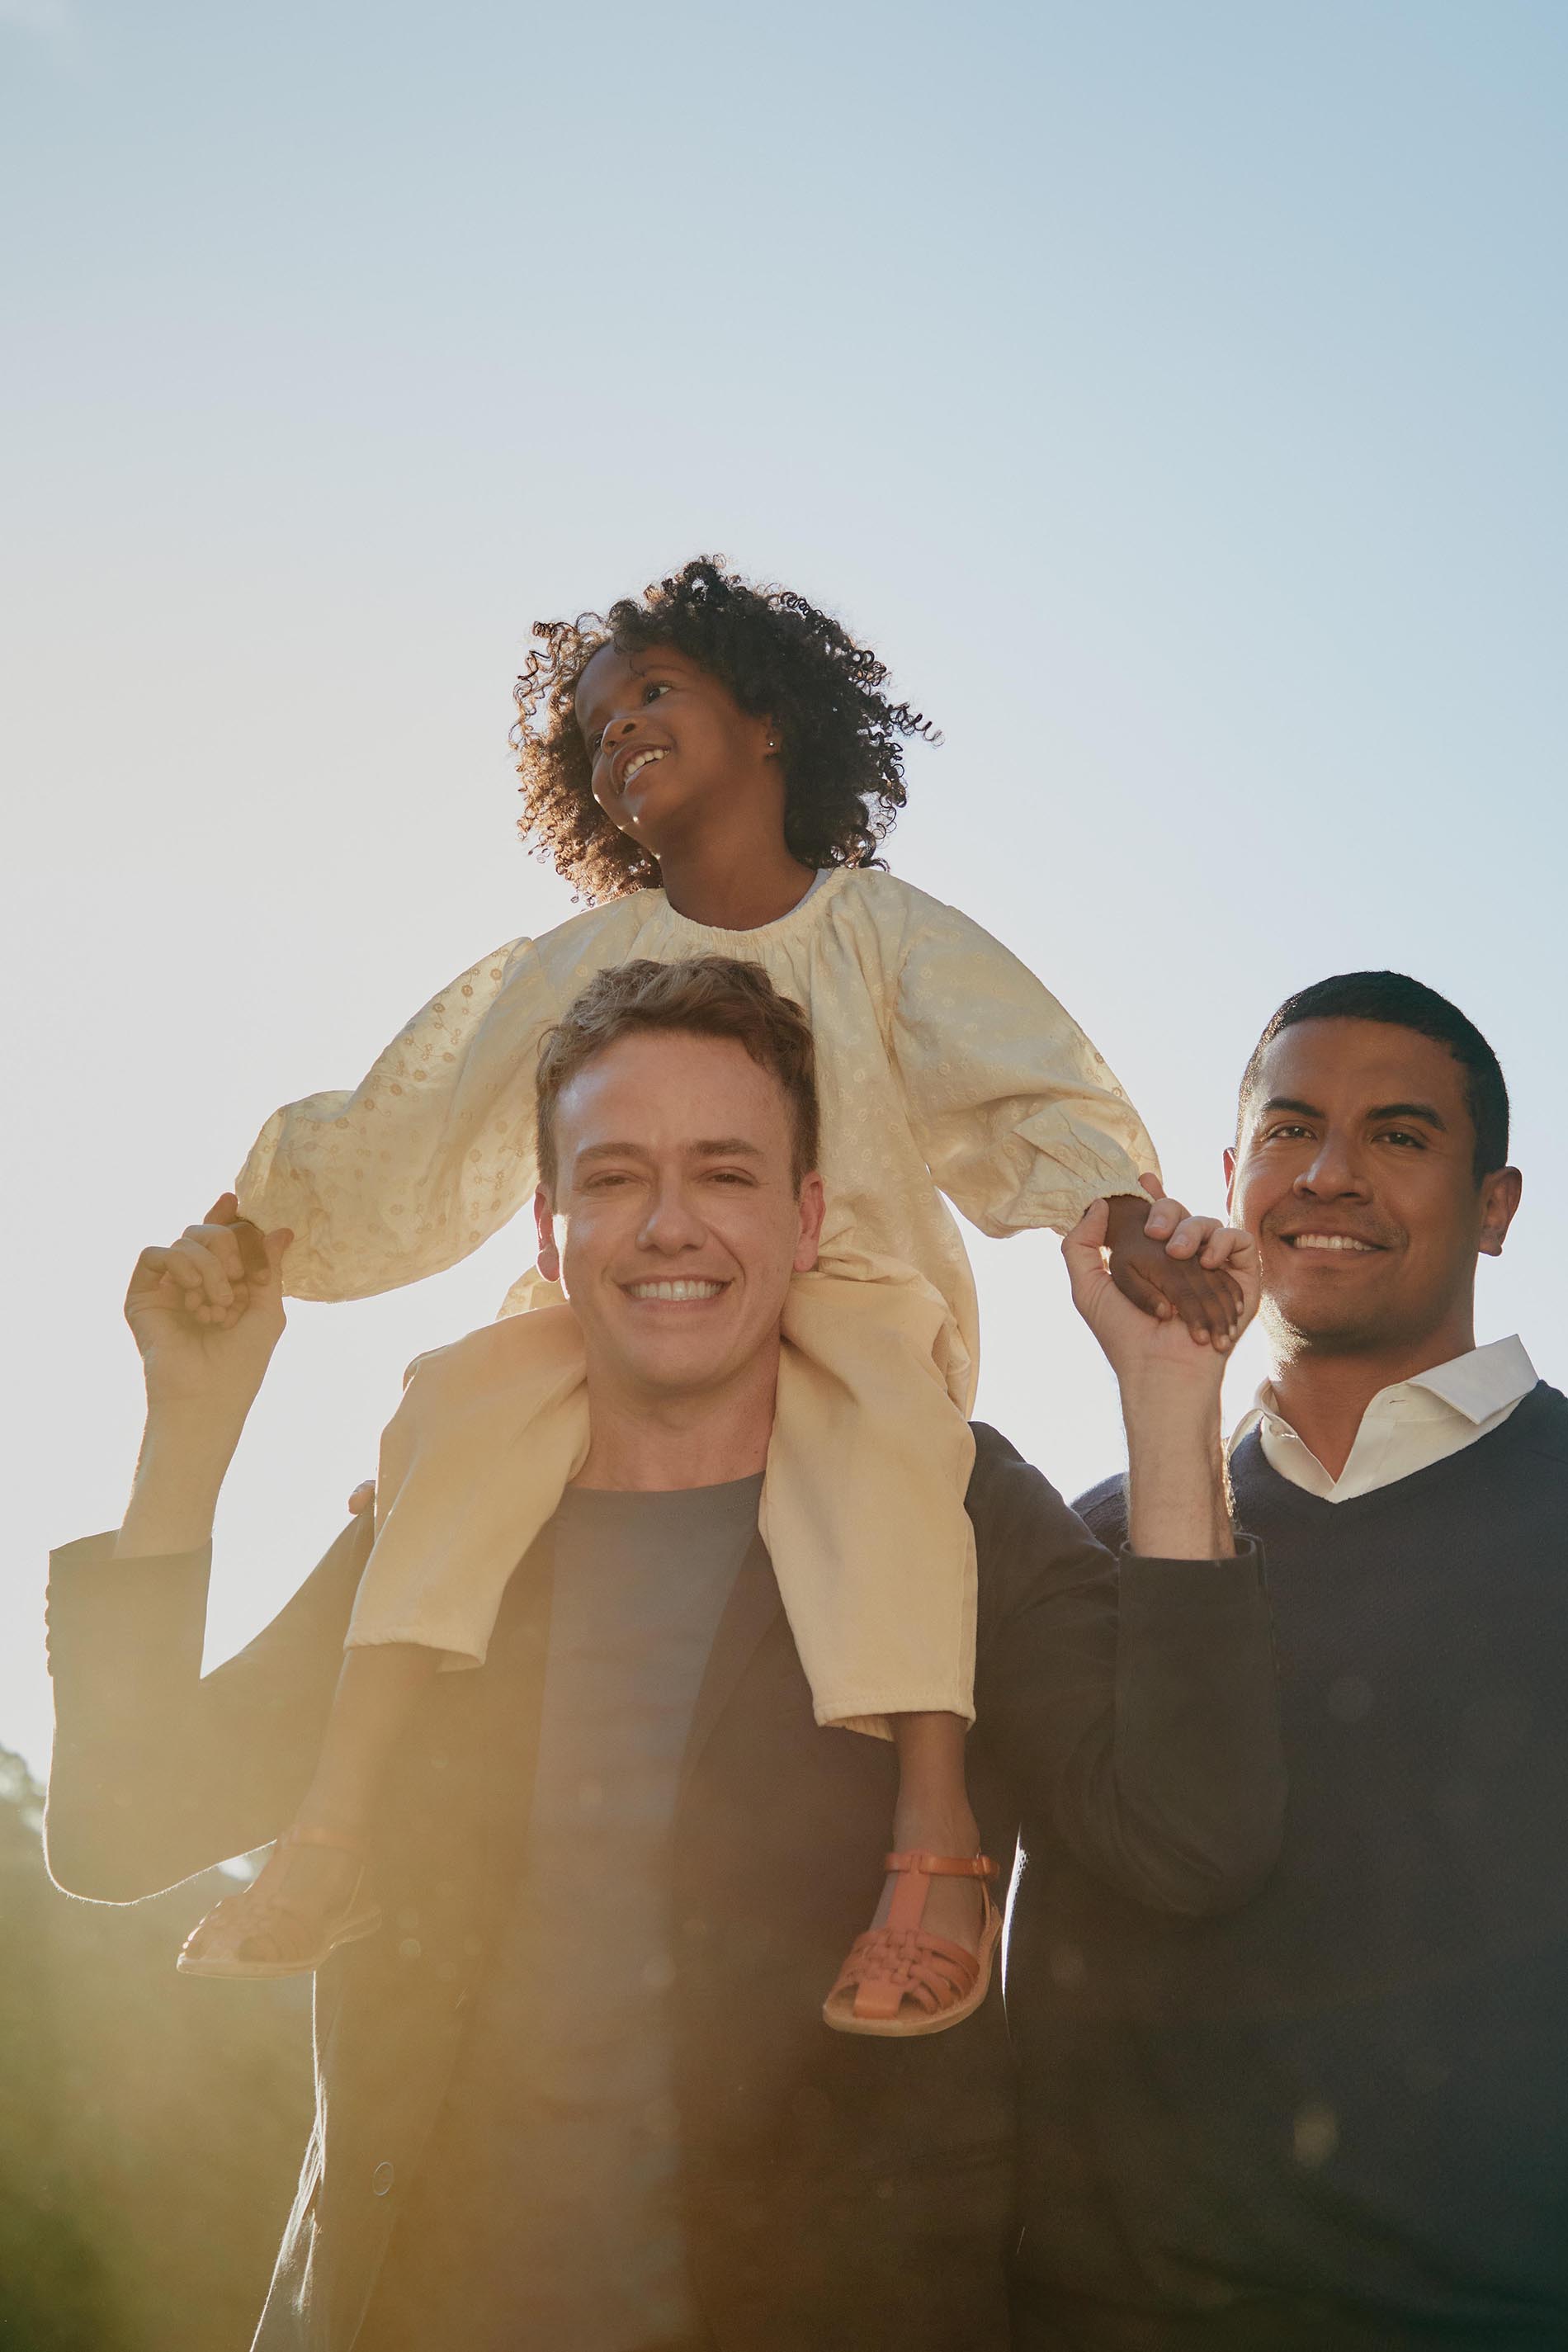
x=1406, y=1427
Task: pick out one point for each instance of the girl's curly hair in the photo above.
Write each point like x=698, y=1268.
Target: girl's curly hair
x=840, y=738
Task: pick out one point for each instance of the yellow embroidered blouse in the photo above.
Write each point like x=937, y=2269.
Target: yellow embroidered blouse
x=944, y=1064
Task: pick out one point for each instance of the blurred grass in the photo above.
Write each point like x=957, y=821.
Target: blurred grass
x=151, y=2127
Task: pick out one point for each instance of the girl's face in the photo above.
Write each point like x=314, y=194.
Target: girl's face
x=671, y=750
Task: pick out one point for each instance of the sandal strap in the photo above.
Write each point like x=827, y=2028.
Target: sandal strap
x=266, y=1913
x=888, y=1966
x=944, y=1865
x=913, y=1873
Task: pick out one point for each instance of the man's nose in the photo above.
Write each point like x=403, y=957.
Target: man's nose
x=672, y=1222
x=1334, y=1169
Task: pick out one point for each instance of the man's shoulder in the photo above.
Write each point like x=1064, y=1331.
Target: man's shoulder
x=1542, y=1420
x=1009, y=1499
x=1103, y=1509
x=1000, y=1471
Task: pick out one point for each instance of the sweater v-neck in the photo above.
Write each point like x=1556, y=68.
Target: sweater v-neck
x=1538, y=1424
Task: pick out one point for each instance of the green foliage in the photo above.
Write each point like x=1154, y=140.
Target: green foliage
x=151, y=2127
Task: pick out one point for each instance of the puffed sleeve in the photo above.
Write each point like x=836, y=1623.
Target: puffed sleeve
x=429, y=1154
x=1021, y=1122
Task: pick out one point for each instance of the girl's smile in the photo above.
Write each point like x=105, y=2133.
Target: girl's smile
x=681, y=768
x=658, y=710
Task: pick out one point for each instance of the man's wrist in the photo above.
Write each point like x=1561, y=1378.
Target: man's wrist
x=1171, y=1407
x=1178, y=1491
x=184, y=1457
x=181, y=1436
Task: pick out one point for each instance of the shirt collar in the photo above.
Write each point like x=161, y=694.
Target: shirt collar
x=1478, y=1383
x=1483, y=1381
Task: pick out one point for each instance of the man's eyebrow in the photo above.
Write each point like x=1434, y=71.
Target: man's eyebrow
x=1427, y=1112
x=611, y=1151
x=722, y=1147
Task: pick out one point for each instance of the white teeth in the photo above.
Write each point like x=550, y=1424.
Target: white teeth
x=636, y=767
x=676, y=1290
x=1327, y=1242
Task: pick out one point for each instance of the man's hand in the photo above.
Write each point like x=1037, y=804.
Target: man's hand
x=205, y=1315
x=208, y=1312
x=1177, y=1505
x=1137, y=1340
x=1158, y=1261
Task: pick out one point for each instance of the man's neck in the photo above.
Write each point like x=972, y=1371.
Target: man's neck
x=643, y=1445
x=1325, y=1393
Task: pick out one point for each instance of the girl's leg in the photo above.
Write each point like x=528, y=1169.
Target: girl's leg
x=378, y=1691
x=310, y=1884
x=490, y=1433
x=377, y=1694
x=863, y=1513
x=863, y=1508
x=933, y=1816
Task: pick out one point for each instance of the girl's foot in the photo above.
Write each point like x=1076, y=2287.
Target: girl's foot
x=307, y=1899
x=904, y=1977
x=955, y=1907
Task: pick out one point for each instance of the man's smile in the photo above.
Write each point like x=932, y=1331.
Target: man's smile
x=673, y=1292
x=1310, y=1240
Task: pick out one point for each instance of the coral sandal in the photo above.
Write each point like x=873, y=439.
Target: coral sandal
x=292, y=1939
x=904, y=1980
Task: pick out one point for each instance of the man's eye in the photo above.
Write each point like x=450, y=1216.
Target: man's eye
x=1284, y=1134
x=1403, y=1135
x=655, y=686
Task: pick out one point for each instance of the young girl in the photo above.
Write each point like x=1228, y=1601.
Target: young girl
x=712, y=768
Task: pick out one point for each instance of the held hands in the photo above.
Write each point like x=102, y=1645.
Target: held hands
x=1162, y=1260
x=208, y=1312
x=1139, y=1338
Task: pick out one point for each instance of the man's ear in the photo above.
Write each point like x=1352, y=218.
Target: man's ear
x=812, y=1208
x=1500, y=1200
x=544, y=1226
x=1229, y=1180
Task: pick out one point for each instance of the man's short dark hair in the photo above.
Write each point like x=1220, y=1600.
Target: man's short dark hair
x=705, y=996
x=1402, y=1003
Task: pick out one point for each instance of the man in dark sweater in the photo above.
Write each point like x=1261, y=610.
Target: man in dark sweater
x=577, y=2092
x=1339, y=2116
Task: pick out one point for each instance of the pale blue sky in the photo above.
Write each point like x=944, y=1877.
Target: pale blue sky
x=1170, y=389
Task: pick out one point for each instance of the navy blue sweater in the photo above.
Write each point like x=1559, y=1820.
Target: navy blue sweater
x=1338, y=2117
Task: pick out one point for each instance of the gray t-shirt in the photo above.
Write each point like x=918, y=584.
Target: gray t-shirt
x=548, y=2212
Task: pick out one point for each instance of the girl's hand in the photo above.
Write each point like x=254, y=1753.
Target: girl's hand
x=1175, y=1267
x=1139, y=1340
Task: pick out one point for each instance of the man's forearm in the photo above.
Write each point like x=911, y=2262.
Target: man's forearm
x=180, y=1473
x=1178, y=1497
